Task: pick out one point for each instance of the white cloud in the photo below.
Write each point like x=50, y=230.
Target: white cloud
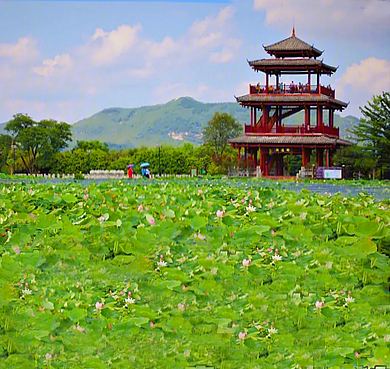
x=50, y=66
x=114, y=44
x=68, y=111
x=361, y=81
x=24, y=51
x=243, y=88
x=354, y=20
x=142, y=73
x=117, y=58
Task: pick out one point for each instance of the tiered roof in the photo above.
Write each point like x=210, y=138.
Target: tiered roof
x=291, y=99
x=292, y=47
x=310, y=139
x=291, y=66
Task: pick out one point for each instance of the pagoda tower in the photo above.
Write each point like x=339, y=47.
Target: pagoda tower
x=267, y=140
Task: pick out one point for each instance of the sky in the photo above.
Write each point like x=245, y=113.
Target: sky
x=67, y=60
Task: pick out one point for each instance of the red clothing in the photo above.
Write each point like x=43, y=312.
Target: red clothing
x=130, y=172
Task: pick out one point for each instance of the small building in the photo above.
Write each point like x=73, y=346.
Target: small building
x=267, y=140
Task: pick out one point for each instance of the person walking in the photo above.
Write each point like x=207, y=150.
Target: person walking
x=129, y=171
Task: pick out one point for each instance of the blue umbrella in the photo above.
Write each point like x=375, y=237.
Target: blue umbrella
x=143, y=165
x=130, y=166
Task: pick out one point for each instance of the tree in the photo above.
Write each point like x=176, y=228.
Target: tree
x=219, y=130
x=92, y=145
x=373, y=131
x=355, y=161
x=35, y=139
x=5, y=148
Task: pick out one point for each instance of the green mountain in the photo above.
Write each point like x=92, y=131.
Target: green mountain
x=172, y=123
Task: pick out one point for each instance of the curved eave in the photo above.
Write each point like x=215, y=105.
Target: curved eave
x=249, y=100
x=290, y=66
x=292, y=140
x=294, y=53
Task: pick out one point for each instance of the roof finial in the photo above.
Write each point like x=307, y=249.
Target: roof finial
x=293, y=32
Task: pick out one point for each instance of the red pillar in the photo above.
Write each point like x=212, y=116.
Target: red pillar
x=331, y=117
x=327, y=158
x=307, y=118
x=320, y=157
x=319, y=117
x=265, y=116
x=264, y=157
x=305, y=156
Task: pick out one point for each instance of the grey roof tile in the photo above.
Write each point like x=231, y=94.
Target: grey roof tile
x=310, y=139
x=292, y=44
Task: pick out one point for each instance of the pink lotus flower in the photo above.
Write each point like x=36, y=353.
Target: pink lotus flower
x=200, y=192
x=85, y=197
x=17, y=250
x=356, y=355
x=48, y=357
x=141, y=208
x=180, y=306
x=220, y=213
x=242, y=336
x=99, y=305
x=151, y=324
x=246, y=263
x=319, y=305
x=152, y=222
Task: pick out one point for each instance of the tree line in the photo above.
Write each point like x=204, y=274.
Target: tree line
x=42, y=147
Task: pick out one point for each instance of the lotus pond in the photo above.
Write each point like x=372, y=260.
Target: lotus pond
x=184, y=274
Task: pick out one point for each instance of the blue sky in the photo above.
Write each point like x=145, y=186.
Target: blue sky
x=68, y=60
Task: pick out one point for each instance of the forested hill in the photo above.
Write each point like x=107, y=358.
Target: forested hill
x=172, y=123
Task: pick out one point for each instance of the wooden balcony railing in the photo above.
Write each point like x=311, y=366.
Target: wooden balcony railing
x=331, y=131
x=284, y=89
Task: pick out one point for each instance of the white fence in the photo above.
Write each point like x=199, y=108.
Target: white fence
x=104, y=174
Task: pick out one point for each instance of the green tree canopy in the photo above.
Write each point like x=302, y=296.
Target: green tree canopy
x=92, y=145
x=42, y=138
x=373, y=131
x=219, y=130
x=5, y=148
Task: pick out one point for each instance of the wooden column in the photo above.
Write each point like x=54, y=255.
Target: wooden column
x=331, y=117
x=265, y=115
x=327, y=158
x=252, y=116
x=306, y=152
x=319, y=117
x=255, y=155
x=266, y=82
x=279, y=165
x=307, y=117
x=255, y=118
x=318, y=82
x=320, y=157
x=309, y=79
x=239, y=157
